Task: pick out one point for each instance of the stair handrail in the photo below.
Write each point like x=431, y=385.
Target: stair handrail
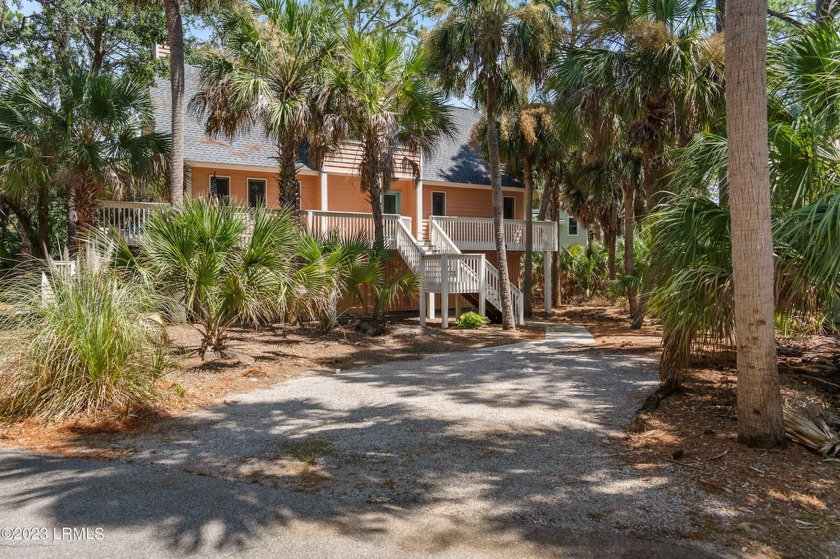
x=409, y=248
x=439, y=239
x=494, y=294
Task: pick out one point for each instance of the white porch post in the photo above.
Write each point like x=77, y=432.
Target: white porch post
x=482, y=286
x=418, y=219
x=422, y=292
x=547, y=277
x=322, y=176
x=444, y=291
x=431, y=305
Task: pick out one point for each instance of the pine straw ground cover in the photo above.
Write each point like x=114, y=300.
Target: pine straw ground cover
x=765, y=503
x=256, y=359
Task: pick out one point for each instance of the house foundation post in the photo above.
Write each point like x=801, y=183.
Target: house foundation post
x=444, y=291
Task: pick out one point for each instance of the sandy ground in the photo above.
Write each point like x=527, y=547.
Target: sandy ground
x=494, y=452
x=768, y=503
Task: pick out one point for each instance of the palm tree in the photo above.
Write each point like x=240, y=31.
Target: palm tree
x=175, y=33
x=266, y=73
x=384, y=99
x=89, y=140
x=526, y=134
x=658, y=75
x=475, y=48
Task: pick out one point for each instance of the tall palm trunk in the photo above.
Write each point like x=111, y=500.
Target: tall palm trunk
x=508, y=322
x=760, y=420
x=629, y=220
x=556, y=280
x=43, y=218
x=81, y=208
x=175, y=31
x=372, y=184
x=529, y=237
x=287, y=183
x=609, y=239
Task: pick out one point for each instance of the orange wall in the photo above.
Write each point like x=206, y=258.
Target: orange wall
x=309, y=190
x=468, y=202
x=345, y=195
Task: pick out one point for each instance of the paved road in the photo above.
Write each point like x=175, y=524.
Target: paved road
x=499, y=452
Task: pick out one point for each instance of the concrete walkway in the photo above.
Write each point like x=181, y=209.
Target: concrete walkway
x=499, y=452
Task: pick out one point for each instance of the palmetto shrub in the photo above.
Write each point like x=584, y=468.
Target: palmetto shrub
x=583, y=271
x=375, y=281
x=338, y=260
x=90, y=342
x=228, y=265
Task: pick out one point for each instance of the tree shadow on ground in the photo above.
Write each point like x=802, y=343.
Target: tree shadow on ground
x=509, y=446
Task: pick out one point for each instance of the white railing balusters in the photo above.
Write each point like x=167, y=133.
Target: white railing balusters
x=477, y=233
x=127, y=218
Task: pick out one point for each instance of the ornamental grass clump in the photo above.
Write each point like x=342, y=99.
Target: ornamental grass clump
x=87, y=341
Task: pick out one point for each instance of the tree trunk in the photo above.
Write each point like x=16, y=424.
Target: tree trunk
x=609, y=239
x=629, y=220
x=527, y=287
x=508, y=321
x=760, y=420
x=639, y=315
x=720, y=15
x=43, y=211
x=24, y=226
x=544, y=203
x=175, y=31
x=72, y=221
x=556, y=282
x=288, y=185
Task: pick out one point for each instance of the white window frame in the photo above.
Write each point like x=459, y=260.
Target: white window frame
x=230, y=184
x=432, y=207
x=569, y=227
x=398, y=195
x=248, y=190
x=514, y=206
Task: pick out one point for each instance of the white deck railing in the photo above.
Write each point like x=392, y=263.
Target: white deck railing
x=127, y=218
x=476, y=233
x=353, y=224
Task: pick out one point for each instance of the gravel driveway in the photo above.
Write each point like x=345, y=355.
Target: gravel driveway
x=492, y=453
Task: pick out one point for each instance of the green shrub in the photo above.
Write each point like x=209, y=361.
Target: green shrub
x=91, y=342
x=228, y=266
x=471, y=320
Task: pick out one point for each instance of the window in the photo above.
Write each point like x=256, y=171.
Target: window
x=573, y=227
x=220, y=189
x=256, y=193
x=510, y=208
x=438, y=203
x=391, y=203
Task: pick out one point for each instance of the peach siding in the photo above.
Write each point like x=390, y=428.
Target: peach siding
x=309, y=189
x=348, y=158
x=344, y=193
x=468, y=202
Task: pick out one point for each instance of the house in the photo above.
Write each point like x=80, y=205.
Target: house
x=440, y=222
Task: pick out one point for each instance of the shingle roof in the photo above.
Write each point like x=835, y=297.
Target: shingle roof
x=251, y=148
x=452, y=159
